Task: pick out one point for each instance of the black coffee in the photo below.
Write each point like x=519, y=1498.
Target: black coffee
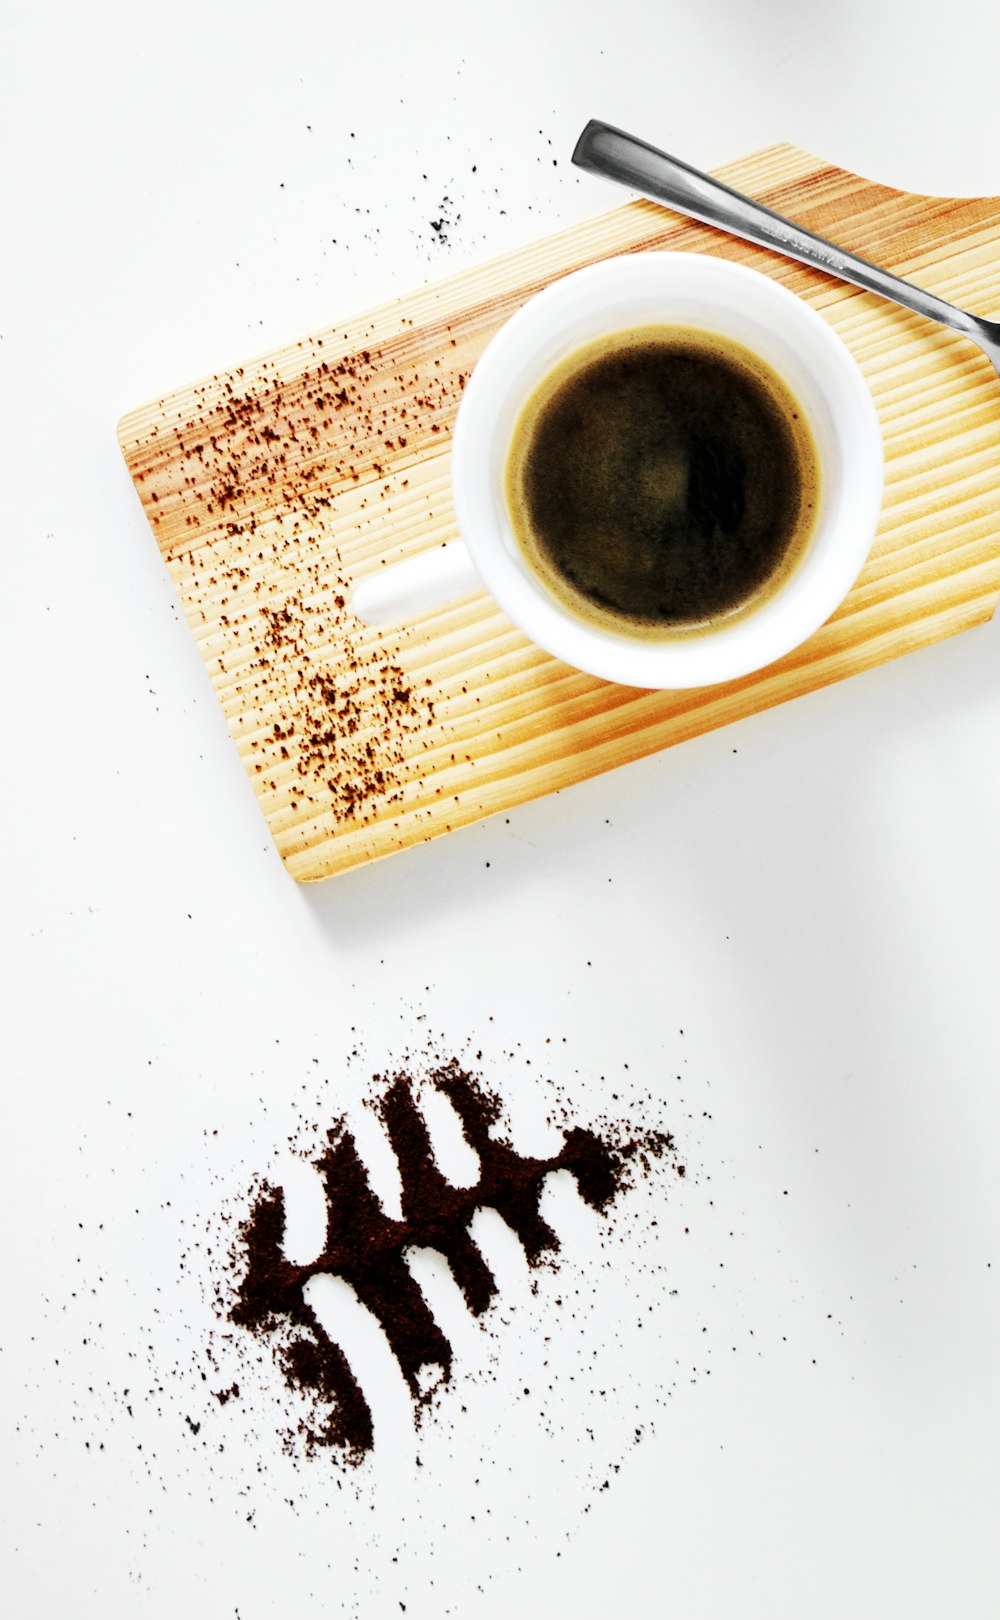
x=662, y=479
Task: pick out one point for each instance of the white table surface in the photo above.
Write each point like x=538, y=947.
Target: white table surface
x=810, y=896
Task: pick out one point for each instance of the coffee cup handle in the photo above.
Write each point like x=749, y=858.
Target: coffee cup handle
x=400, y=591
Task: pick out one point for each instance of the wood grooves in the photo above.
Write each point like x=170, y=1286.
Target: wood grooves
x=273, y=489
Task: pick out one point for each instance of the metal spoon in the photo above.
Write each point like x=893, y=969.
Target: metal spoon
x=604, y=150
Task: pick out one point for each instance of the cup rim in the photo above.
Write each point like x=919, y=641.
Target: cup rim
x=738, y=296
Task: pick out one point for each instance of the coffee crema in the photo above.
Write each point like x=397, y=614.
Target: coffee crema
x=662, y=480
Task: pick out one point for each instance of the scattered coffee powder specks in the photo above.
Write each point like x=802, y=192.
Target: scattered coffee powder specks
x=568, y=1387
x=253, y=493
x=276, y=488
x=263, y=1291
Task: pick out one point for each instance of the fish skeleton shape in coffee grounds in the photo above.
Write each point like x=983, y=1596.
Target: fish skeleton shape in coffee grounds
x=367, y=1248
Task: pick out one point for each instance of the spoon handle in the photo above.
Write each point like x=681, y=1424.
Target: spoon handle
x=604, y=150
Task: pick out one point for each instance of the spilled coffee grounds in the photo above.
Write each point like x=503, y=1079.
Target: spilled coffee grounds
x=367, y=1248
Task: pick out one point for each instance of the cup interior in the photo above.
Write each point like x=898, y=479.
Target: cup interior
x=697, y=291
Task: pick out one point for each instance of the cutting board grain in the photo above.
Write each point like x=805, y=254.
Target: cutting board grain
x=274, y=488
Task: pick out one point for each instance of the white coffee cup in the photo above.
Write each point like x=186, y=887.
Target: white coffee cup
x=691, y=290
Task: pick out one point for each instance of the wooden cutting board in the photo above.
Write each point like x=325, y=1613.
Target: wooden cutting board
x=273, y=488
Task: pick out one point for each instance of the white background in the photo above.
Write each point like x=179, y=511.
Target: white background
x=810, y=897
